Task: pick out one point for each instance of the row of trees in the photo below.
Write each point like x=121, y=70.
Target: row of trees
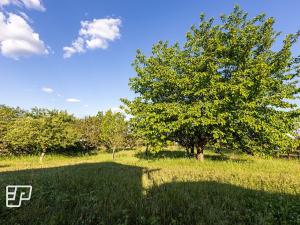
x=42, y=130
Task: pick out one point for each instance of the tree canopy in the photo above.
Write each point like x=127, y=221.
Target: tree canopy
x=113, y=130
x=41, y=130
x=227, y=86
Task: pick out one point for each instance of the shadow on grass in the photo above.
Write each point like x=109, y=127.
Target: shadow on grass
x=162, y=154
x=167, y=154
x=76, y=153
x=226, y=158
x=5, y=165
x=112, y=193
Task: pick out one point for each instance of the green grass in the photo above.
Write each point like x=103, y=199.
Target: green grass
x=166, y=189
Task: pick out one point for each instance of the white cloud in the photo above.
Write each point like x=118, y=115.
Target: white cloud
x=77, y=46
x=94, y=34
x=116, y=109
x=72, y=100
x=47, y=90
x=29, y=4
x=34, y=4
x=85, y=106
x=18, y=39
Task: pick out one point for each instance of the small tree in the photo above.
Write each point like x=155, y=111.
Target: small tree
x=90, y=131
x=226, y=86
x=113, y=130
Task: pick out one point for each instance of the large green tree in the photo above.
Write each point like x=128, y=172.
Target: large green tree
x=226, y=86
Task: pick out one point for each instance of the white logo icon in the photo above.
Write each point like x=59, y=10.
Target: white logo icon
x=11, y=195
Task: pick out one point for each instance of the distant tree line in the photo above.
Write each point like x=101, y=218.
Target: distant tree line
x=39, y=131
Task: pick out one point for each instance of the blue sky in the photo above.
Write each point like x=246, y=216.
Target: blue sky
x=95, y=76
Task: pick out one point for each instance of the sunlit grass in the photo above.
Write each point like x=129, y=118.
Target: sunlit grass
x=164, y=189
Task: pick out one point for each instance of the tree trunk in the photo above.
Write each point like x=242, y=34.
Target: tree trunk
x=42, y=156
x=113, y=153
x=187, y=151
x=200, y=154
x=147, y=151
x=200, y=145
x=192, y=151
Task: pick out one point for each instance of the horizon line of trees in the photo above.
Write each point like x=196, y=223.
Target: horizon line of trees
x=39, y=130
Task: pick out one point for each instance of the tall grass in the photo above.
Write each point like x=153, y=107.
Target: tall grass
x=163, y=189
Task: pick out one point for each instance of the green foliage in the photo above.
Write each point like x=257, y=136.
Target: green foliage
x=22, y=135
x=113, y=130
x=41, y=131
x=7, y=117
x=226, y=87
x=90, y=131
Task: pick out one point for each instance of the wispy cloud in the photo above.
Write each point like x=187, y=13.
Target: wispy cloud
x=77, y=46
x=29, y=4
x=47, y=90
x=95, y=34
x=72, y=100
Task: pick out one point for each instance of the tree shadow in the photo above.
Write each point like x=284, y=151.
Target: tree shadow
x=162, y=154
x=226, y=158
x=74, y=151
x=4, y=165
x=113, y=193
x=78, y=194
x=167, y=154
x=219, y=203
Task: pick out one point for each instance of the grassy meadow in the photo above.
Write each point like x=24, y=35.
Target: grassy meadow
x=164, y=189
